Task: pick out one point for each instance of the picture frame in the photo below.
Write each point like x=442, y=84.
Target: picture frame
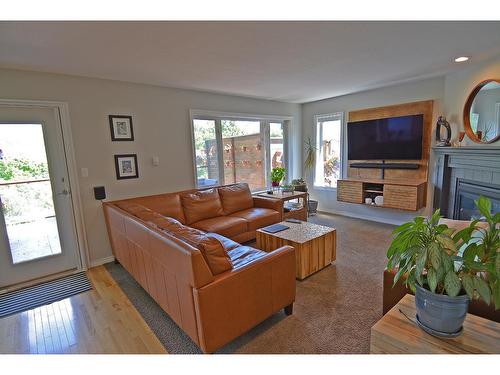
x=126, y=166
x=121, y=128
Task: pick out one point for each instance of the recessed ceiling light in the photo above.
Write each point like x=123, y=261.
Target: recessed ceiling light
x=461, y=59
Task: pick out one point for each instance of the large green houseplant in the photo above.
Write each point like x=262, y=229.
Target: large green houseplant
x=446, y=268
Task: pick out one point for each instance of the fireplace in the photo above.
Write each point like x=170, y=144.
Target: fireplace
x=467, y=191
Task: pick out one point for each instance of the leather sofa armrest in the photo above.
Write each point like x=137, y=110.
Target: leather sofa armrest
x=242, y=298
x=273, y=204
x=392, y=295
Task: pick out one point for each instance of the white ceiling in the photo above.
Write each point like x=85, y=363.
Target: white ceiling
x=286, y=61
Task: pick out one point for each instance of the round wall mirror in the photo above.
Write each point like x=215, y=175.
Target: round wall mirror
x=482, y=112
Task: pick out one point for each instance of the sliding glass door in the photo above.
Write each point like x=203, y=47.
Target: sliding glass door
x=231, y=150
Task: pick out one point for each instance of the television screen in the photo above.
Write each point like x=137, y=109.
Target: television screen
x=388, y=138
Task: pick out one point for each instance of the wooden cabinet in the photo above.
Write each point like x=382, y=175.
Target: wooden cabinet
x=350, y=191
x=402, y=195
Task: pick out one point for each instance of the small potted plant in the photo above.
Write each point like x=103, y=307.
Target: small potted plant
x=446, y=269
x=277, y=175
x=299, y=184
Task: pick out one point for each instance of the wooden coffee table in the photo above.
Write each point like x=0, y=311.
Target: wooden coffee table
x=315, y=245
x=395, y=334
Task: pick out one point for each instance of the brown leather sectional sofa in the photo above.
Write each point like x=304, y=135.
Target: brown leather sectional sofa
x=183, y=250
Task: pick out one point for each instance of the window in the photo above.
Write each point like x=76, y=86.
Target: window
x=231, y=149
x=328, y=150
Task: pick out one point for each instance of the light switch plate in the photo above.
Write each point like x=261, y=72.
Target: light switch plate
x=156, y=161
x=85, y=172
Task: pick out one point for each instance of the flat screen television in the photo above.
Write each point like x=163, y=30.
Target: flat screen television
x=387, y=138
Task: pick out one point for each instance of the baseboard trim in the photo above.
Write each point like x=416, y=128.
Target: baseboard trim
x=363, y=217
x=101, y=261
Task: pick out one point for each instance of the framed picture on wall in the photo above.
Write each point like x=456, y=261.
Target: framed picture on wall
x=121, y=128
x=126, y=166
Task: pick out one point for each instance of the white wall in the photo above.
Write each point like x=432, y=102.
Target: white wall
x=161, y=127
x=404, y=93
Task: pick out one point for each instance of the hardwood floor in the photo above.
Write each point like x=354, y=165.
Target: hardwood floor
x=99, y=321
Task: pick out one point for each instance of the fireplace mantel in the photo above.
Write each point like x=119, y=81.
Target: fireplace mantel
x=474, y=163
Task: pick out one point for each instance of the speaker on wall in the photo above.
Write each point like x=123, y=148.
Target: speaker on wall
x=99, y=193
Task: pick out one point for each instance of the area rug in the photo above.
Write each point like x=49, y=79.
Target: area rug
x=334, y=308
x=43, y=294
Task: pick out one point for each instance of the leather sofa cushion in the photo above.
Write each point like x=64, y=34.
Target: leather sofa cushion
x=211, y=248
x=235, y=198
x=227, y=226
x=258, y=217
x=165, y=204
x=200, y=205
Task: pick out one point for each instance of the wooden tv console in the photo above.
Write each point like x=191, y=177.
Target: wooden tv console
x=403, y=188
x=399, y=194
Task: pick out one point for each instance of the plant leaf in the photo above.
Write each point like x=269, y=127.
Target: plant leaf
x=432, y=279
x=496, y=294
x=419, y=267
x=484, y=206
x=435, y=216
x=447, y=242
x=448, y=264
x=468, y=284
x=497, y=264
x=435, y=255
x=470, y=252
x=452, y=284
x=483, y=289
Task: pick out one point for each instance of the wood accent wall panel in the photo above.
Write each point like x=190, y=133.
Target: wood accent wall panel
x=350, y=191
x=415, y=108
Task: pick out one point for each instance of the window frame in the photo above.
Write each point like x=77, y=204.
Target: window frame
x=264, y=120
x=320, y=119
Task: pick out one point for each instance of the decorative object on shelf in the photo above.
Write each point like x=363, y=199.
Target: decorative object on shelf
x=461, y=137
x=443, y=142
x=258, y=147
x=446, y=269
x=245, y=148
x=368, y=201
x=258, y=163
x=277, y=175
x=379, y=200
x=482, y=112
x=126, y=166
x=287, y=188
x=121, y=128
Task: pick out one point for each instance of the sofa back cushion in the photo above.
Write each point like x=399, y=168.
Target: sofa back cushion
x=235, y=198
x=200, y=205
x=138, y=210
x=212, y=248
x=165, y=204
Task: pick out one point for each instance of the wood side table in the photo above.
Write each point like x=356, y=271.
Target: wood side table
x=395, y=334
x=315, y=245
x=297, y=213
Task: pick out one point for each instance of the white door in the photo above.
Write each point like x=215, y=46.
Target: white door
x=37, y=225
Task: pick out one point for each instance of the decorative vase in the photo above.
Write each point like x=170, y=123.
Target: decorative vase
x=440, y=313
x=275, y=184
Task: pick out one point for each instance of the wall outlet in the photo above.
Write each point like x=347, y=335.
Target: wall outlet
x=156, y=161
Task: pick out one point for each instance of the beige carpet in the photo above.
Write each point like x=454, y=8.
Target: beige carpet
x=334, y=308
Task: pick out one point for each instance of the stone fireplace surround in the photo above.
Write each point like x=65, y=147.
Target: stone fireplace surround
x=470, y=169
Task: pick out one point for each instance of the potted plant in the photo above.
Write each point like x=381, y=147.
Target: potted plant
x=309, y=164
x=446, y=269
x=277, y=175
x=299, y=184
